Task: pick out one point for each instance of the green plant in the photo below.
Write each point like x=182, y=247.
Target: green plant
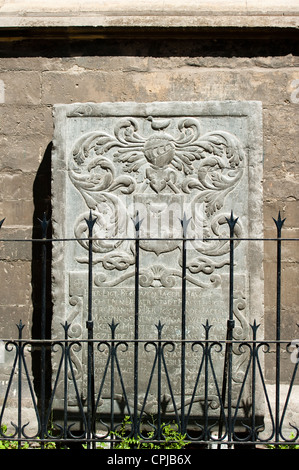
x=172, y=438
x=10, y=444
x=124, y=441
x=285, y=446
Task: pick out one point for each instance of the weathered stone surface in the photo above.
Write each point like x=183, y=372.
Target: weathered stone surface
x=175, y=13
x=177, y=84
x=178, y=6
x=16, y=283
x=21, y=87
x=22, y=153
x=17, y=212
x=163, y=159
x=25, y=120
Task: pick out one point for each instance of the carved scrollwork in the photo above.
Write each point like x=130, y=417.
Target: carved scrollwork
x=153, y=156
x=161, y=149
x=104, y=230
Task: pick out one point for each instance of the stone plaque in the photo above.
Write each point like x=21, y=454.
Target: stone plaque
x=164, y=161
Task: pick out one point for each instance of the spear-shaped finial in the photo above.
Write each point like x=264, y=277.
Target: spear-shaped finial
x=232, y=221
x=44, y=225
x=137, y=222
x=113, y=325
x=254, y=328
x=159, y=326
x=184, y=223
x=90, y=222
x=279, y=222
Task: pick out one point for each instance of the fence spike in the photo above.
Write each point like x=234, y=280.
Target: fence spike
x=137, y=222
x=113, y=325
x=1, y=222
x=65, y=326
x=255, y=326
x=207, y=326
x=279, y=221
x=44, y=225
x=20, y=325
x=232, y=221
x=90, y=222
x=184, y=223
x=159, y=326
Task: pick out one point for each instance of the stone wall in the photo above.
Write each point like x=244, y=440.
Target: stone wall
x=43, y=67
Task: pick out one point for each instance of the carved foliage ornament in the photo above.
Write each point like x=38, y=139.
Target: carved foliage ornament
x=156, y=163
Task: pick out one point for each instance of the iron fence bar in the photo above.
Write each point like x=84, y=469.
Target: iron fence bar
x=184, y=223
x=44, y=227
x=159, y=353
x=89, y=325
x=20, y=348
x=17, y=371
x=137, y=224
x=113, y=327
x=266, y=348
x=66, y=327
x=149, y=340
x=296, y=429
x=157, y=362
x=14, y=344
x=227, y=369
x=279, y=223
x=231, y=323
x=204, y=361
x=253, y=382
x=193, y=239
x=206, y=384
x=253, y=362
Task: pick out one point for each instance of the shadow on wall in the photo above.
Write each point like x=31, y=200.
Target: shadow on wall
x=42, y=205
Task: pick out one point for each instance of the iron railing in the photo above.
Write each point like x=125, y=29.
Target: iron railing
x=223, y=420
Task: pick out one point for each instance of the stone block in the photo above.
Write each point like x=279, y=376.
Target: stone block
x=185, y=83
x=164, y=160
x=15, y=250
x=22, y=152
x=288, y=207
x=21, y=88
x=16, y=212
x=25, y=121
x=16, y=186
x=10, y=330
x=289, y=293
x=15, y=278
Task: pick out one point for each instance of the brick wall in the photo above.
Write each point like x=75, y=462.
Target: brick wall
x=37, y=72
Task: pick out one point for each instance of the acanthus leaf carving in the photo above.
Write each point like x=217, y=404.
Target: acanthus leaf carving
x=170, y=159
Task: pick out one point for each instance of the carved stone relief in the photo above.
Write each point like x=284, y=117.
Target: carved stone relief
x=163, y=160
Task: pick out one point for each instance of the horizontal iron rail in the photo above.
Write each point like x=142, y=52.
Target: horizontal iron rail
x=254, y=239
x=205, y=375
x=145, y=340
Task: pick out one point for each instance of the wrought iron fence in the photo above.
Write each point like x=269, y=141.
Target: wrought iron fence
x=115, y=408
